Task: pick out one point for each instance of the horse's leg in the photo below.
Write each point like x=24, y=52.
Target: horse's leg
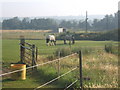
x=47, y=42
x=55, y=43
x=50, y=43
x=65, y=42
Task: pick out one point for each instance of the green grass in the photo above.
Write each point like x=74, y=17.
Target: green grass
x=99, y=66
x=102, y=69
x=28, y=83
x=11, y=48
x=10, y=51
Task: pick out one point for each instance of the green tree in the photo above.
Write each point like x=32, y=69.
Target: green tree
x=13, y=23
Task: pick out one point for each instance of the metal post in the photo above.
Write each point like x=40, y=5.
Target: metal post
x=22, y=50
x=86, y=21
x=59, y=55
x=80, y=69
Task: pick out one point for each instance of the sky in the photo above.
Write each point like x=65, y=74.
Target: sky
x=34, y=8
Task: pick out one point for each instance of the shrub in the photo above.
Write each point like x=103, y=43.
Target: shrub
x=63, y=52
x=110, y=48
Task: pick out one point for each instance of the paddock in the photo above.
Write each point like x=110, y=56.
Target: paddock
x=98, y=57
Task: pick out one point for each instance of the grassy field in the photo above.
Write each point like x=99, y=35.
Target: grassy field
x=31, y=34
x=99, y=66
x=11, y=48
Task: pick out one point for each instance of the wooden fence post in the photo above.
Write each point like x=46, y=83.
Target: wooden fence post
x=36, y=53
x=33, y=55
x=80, y=69
x=22, y=50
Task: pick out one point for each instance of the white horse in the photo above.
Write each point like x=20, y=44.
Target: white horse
x=50, y=40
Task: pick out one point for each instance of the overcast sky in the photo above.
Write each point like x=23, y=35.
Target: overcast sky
x=28, y=8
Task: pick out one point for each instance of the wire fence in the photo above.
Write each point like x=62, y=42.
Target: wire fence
x=36, y=65
x=45, y=64
x=55, y=78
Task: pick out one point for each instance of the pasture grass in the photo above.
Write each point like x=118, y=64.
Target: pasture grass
x=99, y=66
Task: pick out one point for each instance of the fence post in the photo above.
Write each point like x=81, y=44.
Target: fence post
x=22, y=50
x=80, y=69
x=33, y=55
x=59, y=55
x=36, y=53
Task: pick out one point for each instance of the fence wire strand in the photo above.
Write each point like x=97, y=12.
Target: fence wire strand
x=56, y=78
x=36, y=65
x=25, y=47
x=70, y=84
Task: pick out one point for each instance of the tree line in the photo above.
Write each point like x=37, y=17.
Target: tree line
x=96, y=36
x=109, y=22
x=26, y=23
